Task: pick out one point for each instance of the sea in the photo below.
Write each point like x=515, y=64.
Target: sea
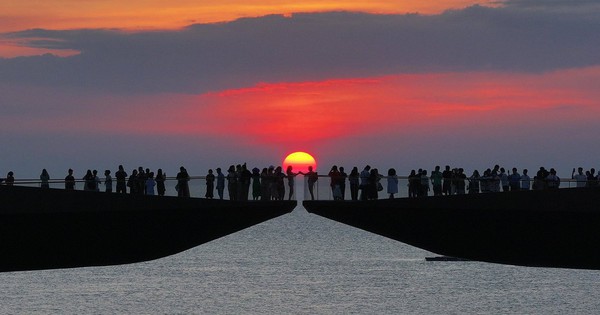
x=301, y=263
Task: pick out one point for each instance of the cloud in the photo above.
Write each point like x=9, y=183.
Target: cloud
x=308, y=46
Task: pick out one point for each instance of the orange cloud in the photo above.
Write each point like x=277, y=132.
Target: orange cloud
x=155, y=14
x=147, y=15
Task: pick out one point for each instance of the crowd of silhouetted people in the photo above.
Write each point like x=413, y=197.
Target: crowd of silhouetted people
x=270, y=182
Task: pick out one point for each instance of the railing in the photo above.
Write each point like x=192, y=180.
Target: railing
x=197, y=185
x=322, y=189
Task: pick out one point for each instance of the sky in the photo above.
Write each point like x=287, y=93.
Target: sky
x=403, y=84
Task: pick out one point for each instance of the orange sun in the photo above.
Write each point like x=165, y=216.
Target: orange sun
x=300, y=161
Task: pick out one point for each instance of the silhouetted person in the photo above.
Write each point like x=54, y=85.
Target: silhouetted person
x=474, y=182
x=592, y=180
x=45, y=179
x=265, y=184
x=256, y=184
x=525, y=180
x=210, y=185
x=141, y=181
x=160, y=182
x=414, y=181
x=514, y=180
x=107, y=181
x=552, y=180
x=392, y=183
x=436, y=181
x=460, y=181
x=10, y=179
x=232, y=183
x=150, y=184
x=312, y=179
x=121, y=176
x=97, y=181
x=279, y=183
x=334, y=183
x=364, y=182
x=70, y=181
x=245, y=178
x=447, y=184
x=540, y=179
x=89, y=182
x=580, y=177
x=504, y=179
x=342, y=182
x=354, y=179
x=132, y=182
x=290, y=177
x=182, y=182
x=372, y=189
x=220, y=183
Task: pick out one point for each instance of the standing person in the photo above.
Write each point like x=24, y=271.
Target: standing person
x=312, y=179
x=374, y=185
x=70, y=181
x=89, y=181
x=45, y=179
x=256, y=184
x=553, y=181
x=141, y=181
x=414, y=181
x=342, y=182
x=290, y=176
x=183, y=188
x=504, y=179
x=97, y=181
x=107, y=181
x=210, y=184
x=265, y=185
x=132, y=182
x=525, y=180
x=474, y=182
x=392, y=183
x=150, y=184
x=334, y=174
x=160, y=182
x=232, y=183
x=447, y=183
x=220, y=183
x=514, y=180
x=279, y=183
x=245, y=179
x=436, y=181
x=353, y=178
x=10, y=178
x=121, y=176
x=580, y=177
x=364, y=182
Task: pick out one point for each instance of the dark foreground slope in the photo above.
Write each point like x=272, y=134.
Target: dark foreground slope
x=52, y=228
x=558, y=228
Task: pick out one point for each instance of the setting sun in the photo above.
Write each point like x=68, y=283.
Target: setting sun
x=300, y=161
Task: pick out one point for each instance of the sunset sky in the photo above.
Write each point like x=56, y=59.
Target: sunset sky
x=404, y=84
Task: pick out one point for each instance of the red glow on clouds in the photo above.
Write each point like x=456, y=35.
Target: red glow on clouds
x=293, y=115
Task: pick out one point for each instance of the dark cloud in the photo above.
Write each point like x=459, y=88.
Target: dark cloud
x=314, y=46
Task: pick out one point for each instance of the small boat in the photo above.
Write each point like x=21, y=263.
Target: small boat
x=547, y=228
x=444, y=258
x=55, y=228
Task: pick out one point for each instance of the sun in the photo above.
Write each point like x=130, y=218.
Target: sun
x=300, y=161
